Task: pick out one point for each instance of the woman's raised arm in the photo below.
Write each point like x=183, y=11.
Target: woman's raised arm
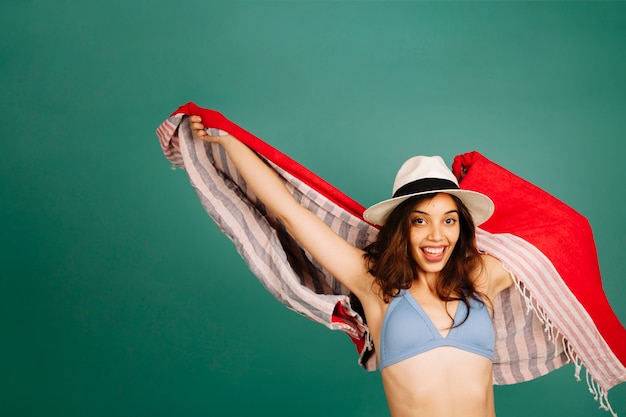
x=340, y=258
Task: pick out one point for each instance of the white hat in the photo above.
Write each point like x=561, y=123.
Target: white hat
x=428, y=175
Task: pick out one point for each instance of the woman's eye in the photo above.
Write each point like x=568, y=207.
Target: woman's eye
x=450, y=221
x=418, y=220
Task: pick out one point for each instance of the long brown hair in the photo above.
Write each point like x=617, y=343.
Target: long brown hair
x=389, y=258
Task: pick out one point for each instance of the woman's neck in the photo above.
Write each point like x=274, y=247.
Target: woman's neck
x=427, y=281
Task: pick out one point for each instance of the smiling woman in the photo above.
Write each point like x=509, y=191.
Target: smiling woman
x=439, y=319
x=428, y=281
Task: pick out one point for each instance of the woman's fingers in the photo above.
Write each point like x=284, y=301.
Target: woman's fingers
x=197, y=129
x=197, y=126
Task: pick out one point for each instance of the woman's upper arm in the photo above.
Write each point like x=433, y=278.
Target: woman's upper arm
x=342, y=259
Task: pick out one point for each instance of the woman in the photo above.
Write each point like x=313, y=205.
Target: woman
x=425, y=289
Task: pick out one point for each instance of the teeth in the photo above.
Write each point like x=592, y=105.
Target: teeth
x=433, y=251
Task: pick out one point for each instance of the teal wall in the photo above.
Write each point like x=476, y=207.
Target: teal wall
x=120, y=297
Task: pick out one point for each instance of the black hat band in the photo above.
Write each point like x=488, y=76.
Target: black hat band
x=424, y=185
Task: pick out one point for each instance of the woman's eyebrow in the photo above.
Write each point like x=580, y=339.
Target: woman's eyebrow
x=428, y=214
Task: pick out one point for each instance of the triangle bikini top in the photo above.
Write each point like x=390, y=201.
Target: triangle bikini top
x=407, y=330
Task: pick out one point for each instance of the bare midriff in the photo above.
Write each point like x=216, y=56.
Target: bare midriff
x=443, y=382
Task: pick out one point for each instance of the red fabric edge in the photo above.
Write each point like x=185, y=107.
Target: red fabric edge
x=215, y=119
x=340, y=316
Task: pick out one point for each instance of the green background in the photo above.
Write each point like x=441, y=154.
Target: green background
x=120, y=297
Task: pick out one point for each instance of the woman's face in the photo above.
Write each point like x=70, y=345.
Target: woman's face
x=434, y=231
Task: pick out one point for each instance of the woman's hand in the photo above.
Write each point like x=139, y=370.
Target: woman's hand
x=198, y=132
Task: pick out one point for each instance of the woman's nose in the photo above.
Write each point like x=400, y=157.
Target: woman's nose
x=435, y=233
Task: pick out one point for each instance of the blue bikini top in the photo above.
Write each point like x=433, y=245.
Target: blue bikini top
x=408, y=331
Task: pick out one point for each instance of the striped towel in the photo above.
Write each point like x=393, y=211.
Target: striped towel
x=555, y=314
